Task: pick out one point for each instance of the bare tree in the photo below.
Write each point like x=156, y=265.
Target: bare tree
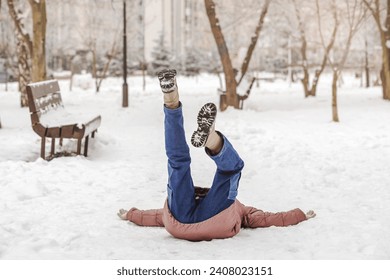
x=374, y=6
x=101, y=74
x=354, y=13
x=31, y=53
x=310, y=87
x=97, y=45
x=230, y=79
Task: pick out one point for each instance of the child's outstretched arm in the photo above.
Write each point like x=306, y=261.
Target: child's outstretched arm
x=149, y=218
x=254, y=218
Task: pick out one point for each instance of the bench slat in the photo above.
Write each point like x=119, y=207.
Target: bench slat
x=92, y=125
x=67, y=131
x=53, y=132
x=41, y=89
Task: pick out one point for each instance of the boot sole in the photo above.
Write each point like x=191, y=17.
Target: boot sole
x=206, y=119
x=167, y=78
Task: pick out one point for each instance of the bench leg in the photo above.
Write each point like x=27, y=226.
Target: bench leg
x=43, y=143
x=86, y=146
x=61, y=141
x=79, y=146
x=93, y=133
x=53, y=145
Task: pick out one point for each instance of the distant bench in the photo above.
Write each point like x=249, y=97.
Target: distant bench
x=49, y=118
x=241, y=98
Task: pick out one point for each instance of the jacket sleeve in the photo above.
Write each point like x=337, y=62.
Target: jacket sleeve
x=254, y=218
x=148, y=218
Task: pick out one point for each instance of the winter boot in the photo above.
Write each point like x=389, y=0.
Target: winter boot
x=167, y=78
x=205, y=135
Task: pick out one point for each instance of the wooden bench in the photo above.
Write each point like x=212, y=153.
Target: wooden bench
x=49, y=118
x=241, y=98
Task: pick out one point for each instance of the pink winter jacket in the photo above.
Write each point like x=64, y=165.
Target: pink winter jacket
x=223, y=225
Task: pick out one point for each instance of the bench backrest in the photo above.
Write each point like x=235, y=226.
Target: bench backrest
x=42, y=98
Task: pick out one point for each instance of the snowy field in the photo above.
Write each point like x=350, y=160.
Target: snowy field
x=294, y=157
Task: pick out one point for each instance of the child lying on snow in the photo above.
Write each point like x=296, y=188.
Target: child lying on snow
x=194, y=213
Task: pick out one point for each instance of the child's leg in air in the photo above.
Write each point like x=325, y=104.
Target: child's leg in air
x=223, y=191
x=181, y=198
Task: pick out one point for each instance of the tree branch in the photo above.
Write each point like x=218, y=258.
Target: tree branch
x=332, y=40
x=368, y=5
x=301, y=33
x=254, y=39
x=356, y=18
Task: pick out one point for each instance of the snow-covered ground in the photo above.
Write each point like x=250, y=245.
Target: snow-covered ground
x=294, y=157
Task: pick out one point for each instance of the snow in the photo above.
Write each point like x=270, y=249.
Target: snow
x=294, y=157
x=57, y=117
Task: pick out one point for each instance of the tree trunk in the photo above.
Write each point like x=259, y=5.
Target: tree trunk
x=318, y=72
x=39, y=40
x=23, y=51
x=386, y=53
x=103, y=74
x=71, y=66
x=230, y=81
x=386, y=69
x=143, y=76
x=335, y=115
x=94, y=68
x=384, y=37
x=385, y=74
x=305, y=82
x=385, y=77
x=366, y=65
x=313, y=89
x=31, y=54
x=24, y=76
x=305, y=68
